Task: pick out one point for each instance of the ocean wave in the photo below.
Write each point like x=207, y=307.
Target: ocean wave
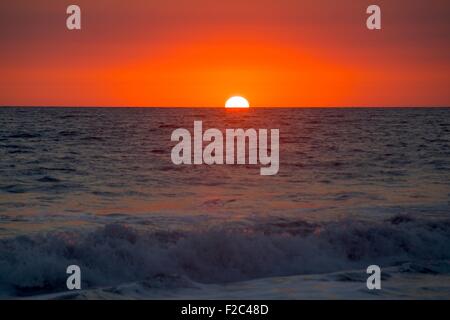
x=119, y=253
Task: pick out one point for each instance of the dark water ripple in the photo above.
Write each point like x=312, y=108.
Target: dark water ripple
x=333, y=162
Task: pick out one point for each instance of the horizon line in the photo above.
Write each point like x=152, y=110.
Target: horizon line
x=216, y=107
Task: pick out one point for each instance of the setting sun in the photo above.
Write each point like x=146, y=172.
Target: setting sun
x=237, y=102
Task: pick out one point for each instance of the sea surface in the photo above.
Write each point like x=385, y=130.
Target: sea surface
x=96, y=187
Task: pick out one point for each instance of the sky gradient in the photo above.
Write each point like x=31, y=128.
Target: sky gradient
x=199, y=52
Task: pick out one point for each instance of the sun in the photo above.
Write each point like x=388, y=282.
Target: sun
x=237, y=102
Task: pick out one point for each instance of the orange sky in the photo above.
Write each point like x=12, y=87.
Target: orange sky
x=200, y=52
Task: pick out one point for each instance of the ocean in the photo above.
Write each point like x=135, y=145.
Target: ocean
x=96, y=187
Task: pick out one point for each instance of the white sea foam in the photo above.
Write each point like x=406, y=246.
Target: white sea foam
x=117, y=254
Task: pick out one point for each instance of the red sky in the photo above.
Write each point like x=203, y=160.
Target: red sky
x=200, y=52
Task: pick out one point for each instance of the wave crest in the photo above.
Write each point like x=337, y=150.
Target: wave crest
x=118, y=253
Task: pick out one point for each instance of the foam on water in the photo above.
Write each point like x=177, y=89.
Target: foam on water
x=117, y=253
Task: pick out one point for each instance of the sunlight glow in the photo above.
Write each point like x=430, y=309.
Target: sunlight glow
x=237, y=102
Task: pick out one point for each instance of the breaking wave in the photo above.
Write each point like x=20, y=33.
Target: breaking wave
x=119, y=253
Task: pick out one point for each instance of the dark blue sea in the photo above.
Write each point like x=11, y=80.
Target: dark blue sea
x=96, y=187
